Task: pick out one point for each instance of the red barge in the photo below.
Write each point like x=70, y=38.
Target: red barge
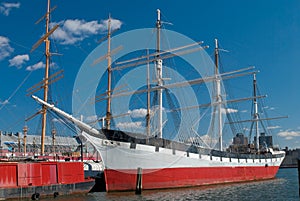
x=35, y=179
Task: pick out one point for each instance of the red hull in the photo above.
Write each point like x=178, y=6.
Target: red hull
x=184, y=177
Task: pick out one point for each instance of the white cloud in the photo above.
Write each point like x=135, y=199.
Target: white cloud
x=228, y=110
x=91, y=118
x=73, y=31
x=289, y=138
x=40, y=65
x=269, y=108
x=273, y=127
x=115, y=24
x=5, y=48
x=138, y=113
x=246, y=129
x=5, y=8
x=58, y=120
x=289, y=134
x=19, y=60
x=130, y=125
x=4, y=102
x=36, y=66
x=211, y=142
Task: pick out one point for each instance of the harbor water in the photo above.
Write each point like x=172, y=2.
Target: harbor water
x=284, y=187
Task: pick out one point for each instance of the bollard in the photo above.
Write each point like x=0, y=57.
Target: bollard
x=139, y=174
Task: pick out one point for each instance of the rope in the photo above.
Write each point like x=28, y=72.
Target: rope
x=16, y=90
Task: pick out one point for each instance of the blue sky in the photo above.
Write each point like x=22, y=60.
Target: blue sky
x=260, y=33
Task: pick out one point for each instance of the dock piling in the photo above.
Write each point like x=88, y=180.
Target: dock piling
x=139, y=174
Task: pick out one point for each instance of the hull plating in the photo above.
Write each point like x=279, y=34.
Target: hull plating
x=120, y=180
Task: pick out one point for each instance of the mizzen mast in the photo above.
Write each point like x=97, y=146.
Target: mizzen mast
x=158, y=64
x=218, y=95
x=256, y=115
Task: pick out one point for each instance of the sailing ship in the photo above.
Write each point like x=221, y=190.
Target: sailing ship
x=35, y=177
x=150, y=160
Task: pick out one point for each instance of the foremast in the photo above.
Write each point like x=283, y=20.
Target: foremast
x=46, y=82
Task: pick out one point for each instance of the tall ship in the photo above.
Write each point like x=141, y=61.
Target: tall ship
x=175, y=155
x=29, y=174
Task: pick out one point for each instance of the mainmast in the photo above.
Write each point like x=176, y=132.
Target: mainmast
x=108, y=106
x=218, y=95
x=158, y=64
x=47, y=54
x=256, y=115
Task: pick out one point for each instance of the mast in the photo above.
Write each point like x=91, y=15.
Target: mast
x=44, y=108
x=53, y=132
x=148, y=98
x=218, y=95
x=25, y=129
x=19, y=142
x=108, y=106
x=256, y=115
x=158, y=64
